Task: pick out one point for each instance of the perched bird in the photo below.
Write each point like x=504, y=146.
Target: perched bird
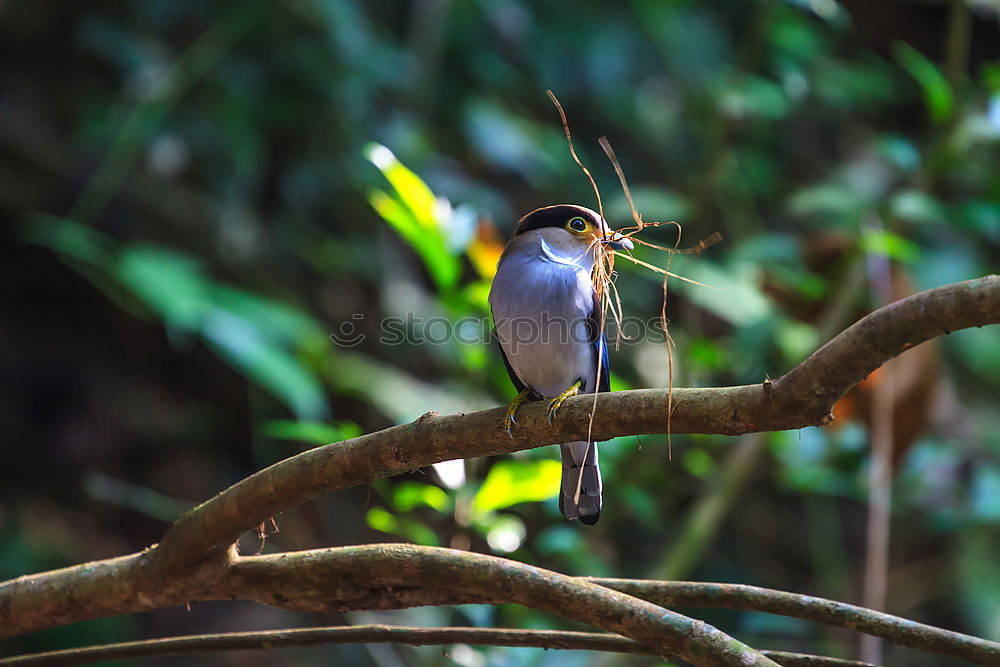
x=547, y=319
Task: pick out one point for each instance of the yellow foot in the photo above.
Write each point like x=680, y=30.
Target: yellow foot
x=519, y=400
x=557, y=402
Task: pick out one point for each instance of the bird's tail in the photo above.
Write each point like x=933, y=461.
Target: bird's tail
x=580, y=472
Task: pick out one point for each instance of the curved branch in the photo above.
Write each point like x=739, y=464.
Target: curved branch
x=325, y=575
x=802, y=397
x=376, y=634
x=196, y=559
x=401, y=576
x=839, y=614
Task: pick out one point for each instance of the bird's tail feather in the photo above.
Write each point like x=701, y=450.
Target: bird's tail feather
x=580, y=473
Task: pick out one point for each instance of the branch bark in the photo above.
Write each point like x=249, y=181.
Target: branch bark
x=397, y=576
x=802, y=397
x=377, y=576
x=376, y=634
x=196, y=559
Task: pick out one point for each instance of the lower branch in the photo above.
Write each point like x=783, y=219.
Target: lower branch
x=396, y=576
x=376, y=634
x=196, y=559
x=381, y=576
x=840, y=614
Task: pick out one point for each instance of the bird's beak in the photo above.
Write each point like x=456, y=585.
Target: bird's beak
x=618, y=242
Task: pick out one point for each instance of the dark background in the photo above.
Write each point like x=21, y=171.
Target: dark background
x=190, y=210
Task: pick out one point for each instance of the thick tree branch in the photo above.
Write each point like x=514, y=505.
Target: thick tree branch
x=196, y=559
x=326, y=575
x=400, y=576
x=376, y=634
x=802, y=397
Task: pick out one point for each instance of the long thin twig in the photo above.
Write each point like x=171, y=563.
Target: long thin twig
x=375, y=634
x=603, y=270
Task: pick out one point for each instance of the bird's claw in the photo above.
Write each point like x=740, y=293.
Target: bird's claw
x=508, y=423
x=508, y=420
x=557, y=402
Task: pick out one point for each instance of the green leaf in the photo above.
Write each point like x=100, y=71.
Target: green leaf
x=937, y=93
x=654, y=202
x=698, y=462
x=412, y=212
x=316, y=433
x=69, y=238
x=890, y=245
x=839, y=202
x=410, y=189
x=917, y=206
x=170, y=283
x=732, y=293
x=239, y=342
x=382, y=520
x=275, y=319
x=409, y=495
x=512, y=482
x=752, y=96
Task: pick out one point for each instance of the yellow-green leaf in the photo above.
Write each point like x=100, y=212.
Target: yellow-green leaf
x=512, y=482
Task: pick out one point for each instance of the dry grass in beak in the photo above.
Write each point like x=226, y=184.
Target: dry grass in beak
x=604, y=268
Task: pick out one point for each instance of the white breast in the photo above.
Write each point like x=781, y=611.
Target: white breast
x=541, y=309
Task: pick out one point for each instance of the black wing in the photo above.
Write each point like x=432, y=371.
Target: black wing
x=516, y=381
x=600, y=341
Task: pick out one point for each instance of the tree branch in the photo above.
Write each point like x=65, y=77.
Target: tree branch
x=839, y=614
x=802, y=397
x=376, y=634
x=196, y=559
x=385, y=573
x=396, y=576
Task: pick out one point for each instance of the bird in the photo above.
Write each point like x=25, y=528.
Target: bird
x=547, y=319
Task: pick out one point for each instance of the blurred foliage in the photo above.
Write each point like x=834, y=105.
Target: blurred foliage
x=239, y=229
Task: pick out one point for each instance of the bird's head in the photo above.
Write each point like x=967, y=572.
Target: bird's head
x=571, y=231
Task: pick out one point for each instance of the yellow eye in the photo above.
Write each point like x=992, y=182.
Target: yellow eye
x=578, y=225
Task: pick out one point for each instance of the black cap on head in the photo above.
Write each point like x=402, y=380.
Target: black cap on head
x=555, y=216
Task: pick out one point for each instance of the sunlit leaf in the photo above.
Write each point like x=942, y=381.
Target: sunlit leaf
x=382, y=520
x=512, y=482
x=441, y=264
x=409, y=495
x=412, y=192
x=890, y=245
